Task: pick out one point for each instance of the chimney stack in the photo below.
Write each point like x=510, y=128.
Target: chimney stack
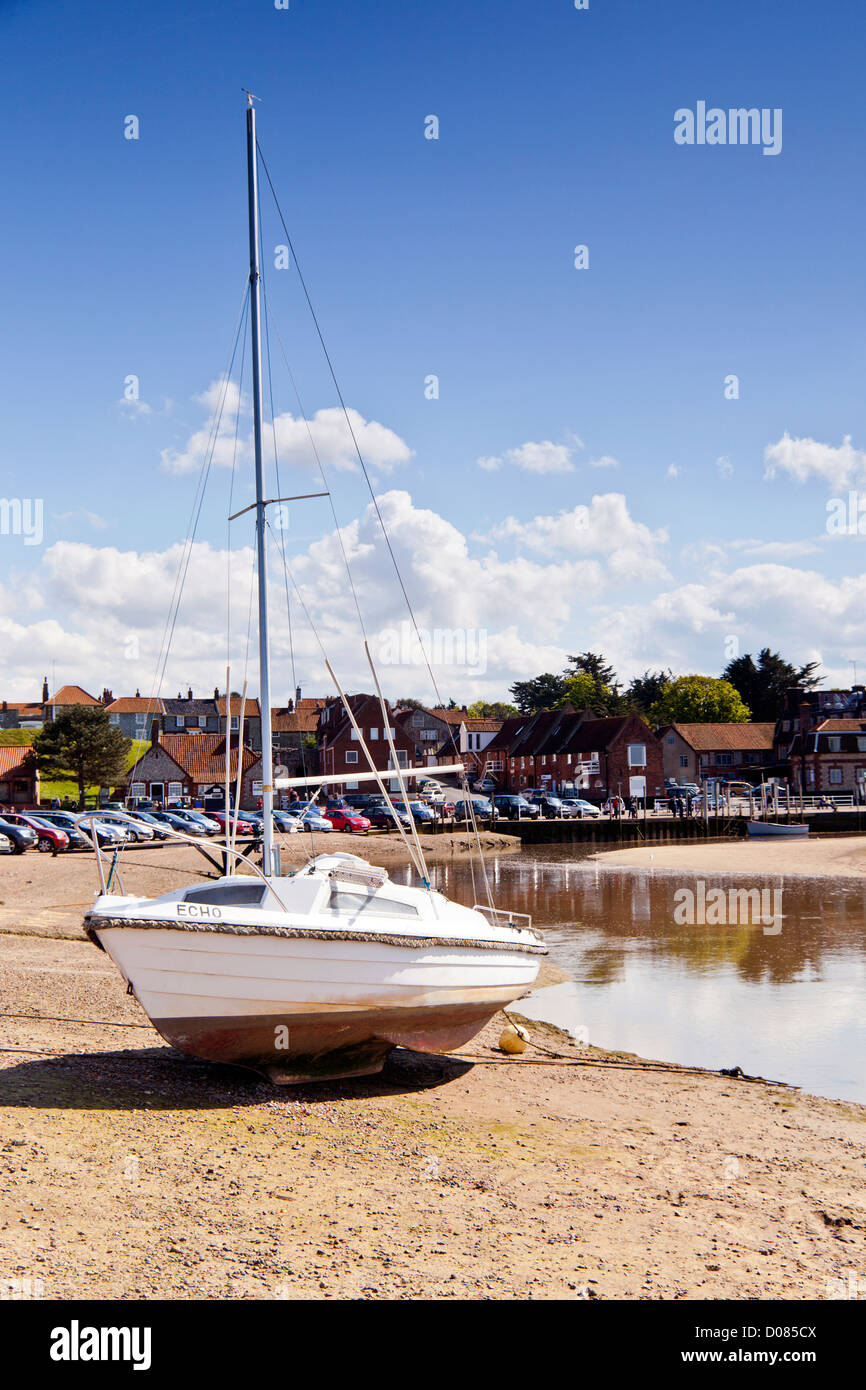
x=154, y=734
x=189, y=693
x=298, y=697
x=45, y=696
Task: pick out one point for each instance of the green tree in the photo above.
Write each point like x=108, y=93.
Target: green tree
x=543, y=692
x=644, y=690
x=583, y=691
x=82, y=744
x=699, y=700
x=483, y=709
x=408, y=703
x=593, y=664
x=762, y=685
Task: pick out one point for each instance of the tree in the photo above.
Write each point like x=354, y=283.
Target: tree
x=583, y=691
x=763, y=686
x=699, y=700
x=82, y=744
x=542, y=692
x=644, y=690
x=482, y=709
x=594, y=665
x=408, y=703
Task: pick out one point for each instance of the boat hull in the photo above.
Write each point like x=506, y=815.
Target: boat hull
x=301, y=1009
x=760, y=830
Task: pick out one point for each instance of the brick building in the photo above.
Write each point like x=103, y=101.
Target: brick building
x=339, y=750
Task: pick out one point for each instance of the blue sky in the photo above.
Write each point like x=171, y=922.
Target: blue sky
x=451, y=257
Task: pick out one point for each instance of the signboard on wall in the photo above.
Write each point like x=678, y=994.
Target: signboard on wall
x=637, y=786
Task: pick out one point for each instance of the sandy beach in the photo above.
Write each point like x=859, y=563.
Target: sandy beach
x=129, y=1171
x=829, y=857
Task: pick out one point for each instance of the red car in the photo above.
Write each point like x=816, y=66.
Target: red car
x=51, y=837
x=244, y=827
x=344, y=818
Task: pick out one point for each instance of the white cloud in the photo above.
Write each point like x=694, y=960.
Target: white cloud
x=606, y=461
x=327, y=433
x=602, y=528
x=803, y=459
x=673, y=470
x=380, y=447
x=542, y=457
x=724, y=467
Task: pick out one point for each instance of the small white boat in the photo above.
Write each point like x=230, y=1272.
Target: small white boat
x=317, y=975
x=762, y=829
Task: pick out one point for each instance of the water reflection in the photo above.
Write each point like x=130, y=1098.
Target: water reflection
x=786, y=1002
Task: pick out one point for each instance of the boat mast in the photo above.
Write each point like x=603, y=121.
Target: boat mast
x=264, y=656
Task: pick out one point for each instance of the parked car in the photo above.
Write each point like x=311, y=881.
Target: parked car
x=81, y=822
x=65, y=821
x=160, y=831
x=50, y=839
x=136, y=829
x=384, y=818
x=359, y=801
x=420, y=812
x=177, y=823
x=344, y=818
x=310, y=818
x=484, y=784
x=22, y=836
x=516, y=807
x=5, y=845
x=482, y=806
x=211, y=826
x=245, y=826
x=581, y=808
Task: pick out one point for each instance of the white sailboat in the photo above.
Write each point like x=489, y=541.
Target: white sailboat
x=316, y=974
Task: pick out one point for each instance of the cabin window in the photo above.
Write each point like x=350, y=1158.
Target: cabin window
x=228, y=894
x=343, y=901
x=672, y=738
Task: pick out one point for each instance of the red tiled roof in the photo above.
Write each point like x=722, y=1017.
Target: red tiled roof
x=73, y=695
x=298, y=721
x=311, y=705
x=12, y=761
x=201, y=756
x=841, y=726
x=134, y=704
x=451, y=716
x=251, y=706
x=483, y=726
x=707, y=738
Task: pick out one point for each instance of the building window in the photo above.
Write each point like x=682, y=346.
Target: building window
x=351, y=786
x=175, y=790
x=672, y=738
x=374, y=734
x=725, y=759
x=351, y=755
x=140, y=720
x=114, y=719
x=684, y=759
x=355, y=735
x=429, y=735
x=835, y=776
x=861, y=744
x=235, y=722
x=834, y=743
x=637, y=755
x=393, y=732
x=137, y=789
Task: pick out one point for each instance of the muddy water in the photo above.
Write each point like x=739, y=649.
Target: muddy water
x=784, y=999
